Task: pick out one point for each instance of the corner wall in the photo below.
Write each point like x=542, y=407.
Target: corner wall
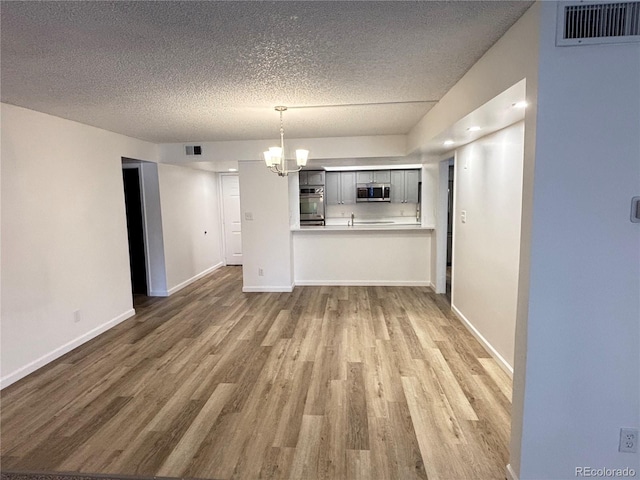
x=191, y=224
x=583, y=357
x=486, y=248
x=64, y=236
x=266, y=230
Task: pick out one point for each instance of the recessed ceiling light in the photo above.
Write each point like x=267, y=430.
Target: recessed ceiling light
x=474, y=129
x=448, y=143
x=233, y=169
x=522, y=104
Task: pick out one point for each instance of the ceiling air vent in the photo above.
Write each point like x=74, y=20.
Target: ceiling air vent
x=587, y=23
x=193, y=149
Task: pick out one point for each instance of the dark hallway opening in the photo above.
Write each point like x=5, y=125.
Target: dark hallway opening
x=135, y=230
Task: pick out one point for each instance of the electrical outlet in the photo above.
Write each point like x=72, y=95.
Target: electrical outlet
x=248, y=216
x=260, y=272
x=463, y=216
x=628, y=440
x=76, y=316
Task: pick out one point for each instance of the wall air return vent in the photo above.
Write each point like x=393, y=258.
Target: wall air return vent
x=588, y=22
x=193, y=149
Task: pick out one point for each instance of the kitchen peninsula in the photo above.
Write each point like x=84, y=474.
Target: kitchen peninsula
x=377, y=241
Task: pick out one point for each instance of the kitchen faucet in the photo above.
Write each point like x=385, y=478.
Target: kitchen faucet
x=353, y=217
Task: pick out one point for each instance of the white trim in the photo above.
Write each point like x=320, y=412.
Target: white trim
x=158, y=293
x=66, y=348
x=488, y=347
x=365, y=283
x=511, y=475
x=268, y=289
x=189, y=281
x=440, y=238
x=432, y=285
x=221, y=214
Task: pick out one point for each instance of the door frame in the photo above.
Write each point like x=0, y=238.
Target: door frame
x=221, y=212
x=131, y=165
x=441, y=226
x=151, y=225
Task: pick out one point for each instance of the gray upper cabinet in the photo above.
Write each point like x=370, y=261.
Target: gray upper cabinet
x=373, y=176
x=382, y=176
x=411, y=182
x=365, y=176
x=340, y=188
x=397, y=186
x=332, y=188
x=348, y=187
x=404, y=186
x=312, y=177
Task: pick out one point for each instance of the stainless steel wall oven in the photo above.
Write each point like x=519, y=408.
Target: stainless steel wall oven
x=311, y=205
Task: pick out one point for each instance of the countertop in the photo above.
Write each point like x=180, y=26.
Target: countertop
x=340, y=224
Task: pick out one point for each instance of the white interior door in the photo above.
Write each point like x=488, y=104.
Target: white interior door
x=231, y=214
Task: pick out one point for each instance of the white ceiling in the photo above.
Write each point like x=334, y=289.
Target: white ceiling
x=207, y=71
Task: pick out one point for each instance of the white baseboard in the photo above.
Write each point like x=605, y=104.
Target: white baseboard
x=362, y=283
x=158, y=293
x=180, y=286
x=268, y=289
x=511, y=475
x=494, y=353
x=66, y=348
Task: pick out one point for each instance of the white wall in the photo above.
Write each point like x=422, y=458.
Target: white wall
x=429, y=195
x=583, y=357
x=191, y=224
x=362, y=257
x=266, y=233
x=154, y=236
x=226, y=154
x=486, y=248
x=64, y=236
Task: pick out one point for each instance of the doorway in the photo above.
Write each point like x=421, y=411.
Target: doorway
x=231, y=219
x=444, y=234
x=449, y=230
x=135, y=230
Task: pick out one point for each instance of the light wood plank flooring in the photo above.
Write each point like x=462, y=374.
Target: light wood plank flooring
x=323, y=383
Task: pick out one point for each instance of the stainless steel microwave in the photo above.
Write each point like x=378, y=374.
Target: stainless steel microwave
x=373, y=192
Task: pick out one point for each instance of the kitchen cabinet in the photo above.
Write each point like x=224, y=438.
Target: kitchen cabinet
x=404, y=186
x=311, y=177
x=373, y=176
x=340, y=188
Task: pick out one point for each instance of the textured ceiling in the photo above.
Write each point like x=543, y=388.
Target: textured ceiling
x=206, y=71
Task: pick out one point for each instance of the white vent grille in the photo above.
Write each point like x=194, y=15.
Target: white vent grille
x=582, y=23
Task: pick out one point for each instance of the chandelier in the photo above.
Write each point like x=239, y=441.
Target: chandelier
x=275, y=156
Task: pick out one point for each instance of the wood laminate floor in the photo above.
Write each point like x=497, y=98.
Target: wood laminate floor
x=323, y=383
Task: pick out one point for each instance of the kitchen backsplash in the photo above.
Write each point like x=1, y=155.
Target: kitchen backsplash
x=373, y=210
